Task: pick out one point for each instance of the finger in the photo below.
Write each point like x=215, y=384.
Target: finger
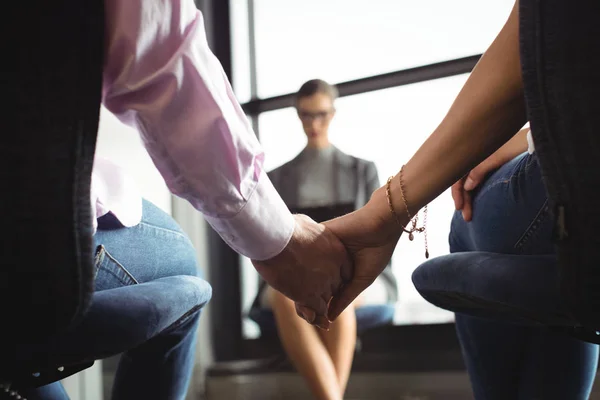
x=457, y=195
x=306, y=313
x=322, y=322
x=477, y=175
x=318, y=304
x=468, y=207
x=345, y=297
x=470, y=183
x=310, y=316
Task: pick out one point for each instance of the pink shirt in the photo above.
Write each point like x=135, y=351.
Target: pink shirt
x=161, y=77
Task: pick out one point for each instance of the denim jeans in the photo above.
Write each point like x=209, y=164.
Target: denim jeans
x=506, y=361
x=160, y=368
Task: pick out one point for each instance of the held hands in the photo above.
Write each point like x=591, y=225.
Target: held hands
x=310, y=270
x=370, y=237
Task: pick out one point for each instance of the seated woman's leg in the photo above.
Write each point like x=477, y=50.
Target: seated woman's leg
x=340, y=342
x=511, y=216
x=155, y=248
x=305, y=348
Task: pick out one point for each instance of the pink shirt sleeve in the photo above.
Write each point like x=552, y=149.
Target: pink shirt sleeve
x=161, y=77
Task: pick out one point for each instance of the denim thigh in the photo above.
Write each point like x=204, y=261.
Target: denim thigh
x=510, y=213
x=155, y=248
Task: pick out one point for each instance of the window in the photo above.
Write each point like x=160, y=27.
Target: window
x=342, y=40
x=387, y=127
x=240, y=49
x=278, y=45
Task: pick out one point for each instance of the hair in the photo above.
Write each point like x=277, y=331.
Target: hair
x=315, y=86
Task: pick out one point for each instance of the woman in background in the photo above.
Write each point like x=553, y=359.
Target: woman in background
x=320, y=182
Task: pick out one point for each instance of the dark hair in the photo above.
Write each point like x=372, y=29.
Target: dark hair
x=315, y=86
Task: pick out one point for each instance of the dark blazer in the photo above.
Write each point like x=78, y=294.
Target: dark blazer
x=354, y=179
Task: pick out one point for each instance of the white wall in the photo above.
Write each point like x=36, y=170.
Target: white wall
x=195, y=226
x=122, y=145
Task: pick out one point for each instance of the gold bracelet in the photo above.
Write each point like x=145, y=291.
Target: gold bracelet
x=414, y=220
x=388, y=194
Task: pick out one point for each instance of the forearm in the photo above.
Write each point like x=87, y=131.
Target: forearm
x=515, y=146
x=486, y=113
x=161, y=76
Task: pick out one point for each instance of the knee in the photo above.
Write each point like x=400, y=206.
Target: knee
x=189, y=261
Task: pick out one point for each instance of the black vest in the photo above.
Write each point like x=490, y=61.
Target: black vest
x=53, y=84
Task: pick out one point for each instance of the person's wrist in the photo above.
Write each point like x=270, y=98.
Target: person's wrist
x=288, y=253
x=379, y=209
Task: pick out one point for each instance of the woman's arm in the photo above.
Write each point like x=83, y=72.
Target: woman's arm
x=486, y=113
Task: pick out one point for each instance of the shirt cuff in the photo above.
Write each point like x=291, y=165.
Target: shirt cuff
x=530, y=144
x=262, y=228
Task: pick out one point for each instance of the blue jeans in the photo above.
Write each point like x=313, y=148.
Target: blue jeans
x=504, y=361
x=161, y=368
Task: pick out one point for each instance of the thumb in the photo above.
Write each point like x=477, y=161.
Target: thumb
x=310, y=316
x=479, y=173
x=345, y=297
x=475, y=177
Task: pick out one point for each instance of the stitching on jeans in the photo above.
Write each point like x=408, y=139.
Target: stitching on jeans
x=120, y=266
x=98, y=259
x=533, y=226
x=505, y=181
x=158, y=228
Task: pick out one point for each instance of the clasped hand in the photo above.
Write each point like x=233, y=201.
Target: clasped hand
x=326, y=266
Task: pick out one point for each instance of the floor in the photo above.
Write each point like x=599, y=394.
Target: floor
x=414, y=386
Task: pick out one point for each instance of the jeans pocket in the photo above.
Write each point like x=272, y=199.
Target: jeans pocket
x=110, y=273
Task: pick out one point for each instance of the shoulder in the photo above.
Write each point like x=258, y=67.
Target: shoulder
x=351, y=161
x=345, y=159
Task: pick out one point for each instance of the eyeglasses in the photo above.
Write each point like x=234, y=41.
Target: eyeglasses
x=307, y=117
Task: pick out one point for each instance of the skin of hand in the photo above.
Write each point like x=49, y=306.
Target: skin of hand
x=310, y=270
x=370, y=237
x=461, y=190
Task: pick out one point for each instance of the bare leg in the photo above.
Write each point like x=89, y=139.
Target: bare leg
x=305, y=349
x=340, y=343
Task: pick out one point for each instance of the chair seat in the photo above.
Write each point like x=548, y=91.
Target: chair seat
x=512, y=288
x=117, y=320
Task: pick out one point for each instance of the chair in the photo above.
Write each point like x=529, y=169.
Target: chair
x=512, y=288
x=48, y=306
